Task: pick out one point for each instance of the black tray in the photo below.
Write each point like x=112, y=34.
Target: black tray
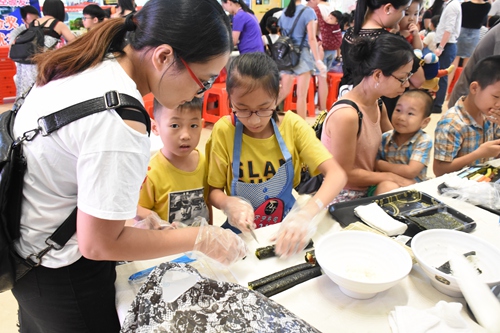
x=405, y=206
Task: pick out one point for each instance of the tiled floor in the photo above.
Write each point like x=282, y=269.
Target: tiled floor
x=8, y=304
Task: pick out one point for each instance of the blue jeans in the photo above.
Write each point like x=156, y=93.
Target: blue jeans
x=445, y=60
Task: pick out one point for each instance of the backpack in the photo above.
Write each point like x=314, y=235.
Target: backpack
x=309, y=184
x=13, y=166
x=284, y=52
x=30, y=42
x=268, y=46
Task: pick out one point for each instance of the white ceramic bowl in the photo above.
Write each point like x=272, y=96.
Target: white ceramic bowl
x=362, y=263
x=431, y=247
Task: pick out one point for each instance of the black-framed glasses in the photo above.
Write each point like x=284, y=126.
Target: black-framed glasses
x=248, y=113
x=87, y=18
x=403, y=81
x=204, y=85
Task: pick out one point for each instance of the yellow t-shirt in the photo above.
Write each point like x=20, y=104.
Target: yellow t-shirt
x=174, y=194
x=261, y=158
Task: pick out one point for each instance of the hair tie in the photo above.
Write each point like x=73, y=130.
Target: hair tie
x=130, y=24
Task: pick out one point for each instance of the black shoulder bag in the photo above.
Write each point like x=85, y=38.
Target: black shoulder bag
x=13, y=167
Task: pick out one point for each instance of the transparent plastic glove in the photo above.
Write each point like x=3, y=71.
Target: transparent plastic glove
x=239, y=213
x=320, y=65
x=221, y=245
x=152, y=221
x=296, y=229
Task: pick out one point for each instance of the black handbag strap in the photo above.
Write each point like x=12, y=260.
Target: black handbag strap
x=355, y=106
x=126, y=106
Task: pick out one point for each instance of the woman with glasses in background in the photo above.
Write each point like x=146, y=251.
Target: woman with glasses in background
x=255, y=158
x=383, y=68
x=99, y=162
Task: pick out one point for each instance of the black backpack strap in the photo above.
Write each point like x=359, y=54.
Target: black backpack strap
x=110, y=100
x=122, y=103
x=269, y=40
x=355, y=106
x=293, y=28
x=52, y=24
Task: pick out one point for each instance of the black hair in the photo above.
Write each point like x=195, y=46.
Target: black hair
x=54, y=8
x=251, y=71
x=196, y=104
x=107, y=12
x=126, y=5
x=242, y=3
x=272, y=25
x=362, y=7
x=435, y=20
x=146, y=30
x=388, y=52
x=486, y=71
x=28, y=10
x=424, y=96
x=338, y=15
x=437, y=7
x=494, y=20
x=94, y=11
x=290, y=9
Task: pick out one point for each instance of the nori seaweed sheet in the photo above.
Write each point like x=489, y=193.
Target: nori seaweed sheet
x=278, y=275
x=268, y=251
x=289, y=281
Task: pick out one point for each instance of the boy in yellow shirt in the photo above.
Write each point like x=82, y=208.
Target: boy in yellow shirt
x=175, y=186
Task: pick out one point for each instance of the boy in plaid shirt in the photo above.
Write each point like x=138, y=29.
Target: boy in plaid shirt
x=405, y=149
x=469, y=132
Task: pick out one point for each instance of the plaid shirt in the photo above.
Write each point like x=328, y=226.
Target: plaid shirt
x=415, y=149
x=458, y=134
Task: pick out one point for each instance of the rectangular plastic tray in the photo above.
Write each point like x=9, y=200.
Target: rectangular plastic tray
x=410, y=207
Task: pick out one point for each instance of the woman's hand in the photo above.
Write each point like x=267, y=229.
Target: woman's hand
x=239, y=213
x=222, y=245
x=401, y=181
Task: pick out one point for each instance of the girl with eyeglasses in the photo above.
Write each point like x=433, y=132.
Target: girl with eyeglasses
x=99, y=162
x=255, y=158
x=383, y=68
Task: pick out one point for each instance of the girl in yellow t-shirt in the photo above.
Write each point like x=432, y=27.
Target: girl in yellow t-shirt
x=255, y=156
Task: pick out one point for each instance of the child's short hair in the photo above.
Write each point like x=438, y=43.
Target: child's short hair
x=272, y=25
x=94, y=11
x=486, y=72
x=338, y=15
x=424, y=96
x=435, y=20
x=196, y=104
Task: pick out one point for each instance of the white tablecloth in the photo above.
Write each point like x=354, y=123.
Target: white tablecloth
x=319, y=301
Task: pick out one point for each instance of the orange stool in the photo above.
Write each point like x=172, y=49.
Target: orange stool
x=215, y=103
x=291, y=99
x=458, y=71
x=7, y=72
x=149, y=104
x=333, y=80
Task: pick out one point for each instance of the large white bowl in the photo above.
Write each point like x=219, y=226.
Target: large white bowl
x=431, y=247
x=362, y=263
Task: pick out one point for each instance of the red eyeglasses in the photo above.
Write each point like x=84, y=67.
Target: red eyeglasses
x=204, y=85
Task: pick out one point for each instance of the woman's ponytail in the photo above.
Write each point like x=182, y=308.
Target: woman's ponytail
x=84, y=52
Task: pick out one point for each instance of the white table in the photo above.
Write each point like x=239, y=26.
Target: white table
x=319, y=301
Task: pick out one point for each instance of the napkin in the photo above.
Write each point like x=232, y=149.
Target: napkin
x=444, y=317
x=377, y=218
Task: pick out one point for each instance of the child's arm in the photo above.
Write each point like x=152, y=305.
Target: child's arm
x=417, y=41
x=238, y=211
x=410, y=170
x=142, y=213
x=485, y=150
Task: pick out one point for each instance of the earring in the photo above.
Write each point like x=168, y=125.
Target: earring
x=376, y=85
x=388, y=13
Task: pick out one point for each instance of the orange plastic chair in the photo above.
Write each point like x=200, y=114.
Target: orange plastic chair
x=149, y=104
x=7, y=72
x=458, y=71
x=290, y=102
x=215, y=103
x=333, y=80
